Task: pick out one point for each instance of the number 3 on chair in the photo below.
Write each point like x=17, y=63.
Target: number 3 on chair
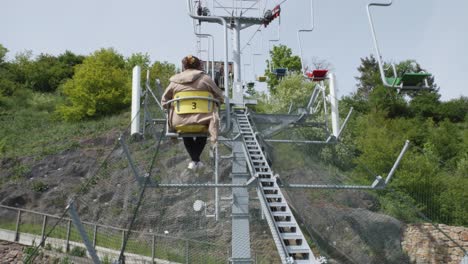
x=194, y=105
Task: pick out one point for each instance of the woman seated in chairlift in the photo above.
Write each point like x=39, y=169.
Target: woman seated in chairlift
x=193, y=79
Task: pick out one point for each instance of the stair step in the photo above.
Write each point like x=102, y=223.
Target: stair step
x=286, y=224
x=279, y=213
x=273, y=196
x=270, y=188
x=291, y=236
x=277, y=204
x=304, y=249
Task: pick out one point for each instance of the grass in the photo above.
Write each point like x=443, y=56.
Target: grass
x=31, y=128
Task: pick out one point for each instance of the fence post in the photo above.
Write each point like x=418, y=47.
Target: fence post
x=67, y=247
x=153, y=248
x=123, y=240
x=94, y=235
x=44, y=224
x=18, y=221
x=186, y=251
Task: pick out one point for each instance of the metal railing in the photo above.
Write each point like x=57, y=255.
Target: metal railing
x=28, y=226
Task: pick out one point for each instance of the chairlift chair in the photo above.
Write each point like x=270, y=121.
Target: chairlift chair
x=407, y=80
x=280, y=72
x=317, y=75
x=191, y=102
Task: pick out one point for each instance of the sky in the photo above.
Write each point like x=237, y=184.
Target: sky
x=432, y=32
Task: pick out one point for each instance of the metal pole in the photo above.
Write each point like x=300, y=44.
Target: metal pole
x=397, y=162
x=67, y=246
x=153, y=248
x=187, y=251
x=79, y=226
x=335, y=115
x=94, y=235
x=216, y=182
x=136, y=94
x=237, y=93
x=123, y=240
x=44, y=224
x=18, y=221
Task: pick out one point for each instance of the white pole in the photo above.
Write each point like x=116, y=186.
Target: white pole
x=136, y=94
x=334, y=105
x=238, y=94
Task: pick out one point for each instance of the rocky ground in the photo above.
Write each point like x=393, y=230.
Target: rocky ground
x=11, y=253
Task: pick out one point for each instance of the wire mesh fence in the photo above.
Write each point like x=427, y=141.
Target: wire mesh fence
x=127, y=217
x=369, y=226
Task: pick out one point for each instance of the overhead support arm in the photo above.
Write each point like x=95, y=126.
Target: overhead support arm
x=374, y=38
x=407, y=81
x=306, y=30
x=223, y=22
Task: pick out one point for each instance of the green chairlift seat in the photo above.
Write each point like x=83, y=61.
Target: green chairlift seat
x=409, y=79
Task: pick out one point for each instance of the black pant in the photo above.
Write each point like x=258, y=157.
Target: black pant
x=195, y=146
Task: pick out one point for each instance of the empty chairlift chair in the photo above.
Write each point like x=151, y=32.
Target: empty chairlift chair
x=280, y=72
x=191, y=102
x=317, y=75
x=405, y=81
x=261, y=78
x=408, y=80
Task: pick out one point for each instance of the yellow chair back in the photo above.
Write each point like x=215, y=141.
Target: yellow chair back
x=193, y=105
x=192, y=129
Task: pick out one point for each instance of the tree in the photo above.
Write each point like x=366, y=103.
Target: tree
x=69, y=61
x=45, y=74
x=281, y=57
x=162, y=71
x=456, y=110
x=369, y=76
x=143, y=60
x=7, y=80
x=293, y=88
x=100, y=86
x=3, y=52
x=426, y=104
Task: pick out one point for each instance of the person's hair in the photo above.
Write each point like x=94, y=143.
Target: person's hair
x=191, y=62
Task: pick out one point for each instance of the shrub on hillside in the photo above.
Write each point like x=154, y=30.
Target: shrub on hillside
x=100, y=86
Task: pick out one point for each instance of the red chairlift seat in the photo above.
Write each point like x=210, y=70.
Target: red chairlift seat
x=317, y=75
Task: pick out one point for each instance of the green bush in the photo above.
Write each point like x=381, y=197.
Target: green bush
x=78, y=252
x=39, y=186
x=100, y=86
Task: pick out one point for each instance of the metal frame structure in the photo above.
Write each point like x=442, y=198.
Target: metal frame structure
x=250, y=168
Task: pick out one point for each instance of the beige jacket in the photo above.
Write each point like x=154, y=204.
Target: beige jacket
x=193, y=80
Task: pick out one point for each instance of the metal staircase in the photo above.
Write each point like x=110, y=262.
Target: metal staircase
x=290, y=242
